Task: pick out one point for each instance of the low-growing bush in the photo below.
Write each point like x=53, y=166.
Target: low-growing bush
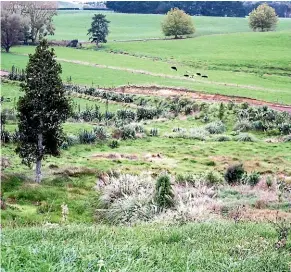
x=216, y=127
x=222, y=138
x=251, y=179
x=245, y=137
x=87, y=137
x=234, y=173
x=285, y=128
x=126, y=115
x=287, y=138
x=101, y=133
x=164, y=196
x=127, y=132
x=154, y=132
x=198, y=134
x=243, y=125
x=114, y=144
x=213, y=178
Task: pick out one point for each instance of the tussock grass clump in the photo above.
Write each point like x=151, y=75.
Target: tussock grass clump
x=252, y=179
x=87, y=137
x=216, y=127
x=198, y=134
x=223, y=138
x=287, y=138
x=101, y=133
x=243, y=125
x=129, y=199
x=245, y=137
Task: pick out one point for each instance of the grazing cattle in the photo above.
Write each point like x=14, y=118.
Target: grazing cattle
x=198, y=74
x=174, y=68
x=186, y=75
x=205, y=76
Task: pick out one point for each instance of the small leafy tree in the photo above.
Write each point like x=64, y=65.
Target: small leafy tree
x=263, y=18
x=164, y=196
x=99, y=29
x=42, y=110
x=177, y=23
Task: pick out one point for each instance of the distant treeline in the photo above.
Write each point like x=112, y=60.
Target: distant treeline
x=203, y=8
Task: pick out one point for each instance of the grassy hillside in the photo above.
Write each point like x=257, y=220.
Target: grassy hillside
x=249, y=64
x=118, y=143
x=142, y=26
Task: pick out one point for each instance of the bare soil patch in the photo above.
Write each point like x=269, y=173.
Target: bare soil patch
x=162, y=91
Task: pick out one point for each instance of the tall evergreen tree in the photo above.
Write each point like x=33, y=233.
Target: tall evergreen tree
x=99, y=29
x=42, y=110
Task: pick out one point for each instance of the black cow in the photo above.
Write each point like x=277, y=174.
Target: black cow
x=198, y=74
x=204, y=76
x=174, y=68
x=186, y=75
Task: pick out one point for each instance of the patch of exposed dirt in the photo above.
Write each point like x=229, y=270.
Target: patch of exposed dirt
x=264, y=215
x=4, y=73
x=162, y=91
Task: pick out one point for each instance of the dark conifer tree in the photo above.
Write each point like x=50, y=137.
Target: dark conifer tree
x=42, y=109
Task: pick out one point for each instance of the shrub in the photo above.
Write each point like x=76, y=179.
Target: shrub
x=285, y=128
x=243, y=125
x=234, y=173
x=72, y=140
x=222, y=138
x=5, y=136
x=245, y=137
x=216, y=127
x=253, y=178
x=146, y=114
x=114, y=144
x=87, y=137
x=258, y=125
x=128, y=132
x=273, y=132
x=101, y=133
x=269, y=182
x=199, y=134
x=72, y=43
x=213, y=178
x=221, y=111
x=126, y=115
x=154, y=132
x=164, y=196
x=287, y=138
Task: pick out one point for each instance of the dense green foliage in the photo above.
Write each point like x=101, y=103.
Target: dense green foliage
x=42, y=109
x=263, y=18
x=209, y=8
x=177, y=23
x=164, y=195
x=99, y=29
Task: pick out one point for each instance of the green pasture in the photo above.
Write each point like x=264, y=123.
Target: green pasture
x=216, y=74
x=106, y=77
x=74, y=25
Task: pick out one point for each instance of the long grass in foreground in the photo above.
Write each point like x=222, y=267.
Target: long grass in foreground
x=193, y=247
